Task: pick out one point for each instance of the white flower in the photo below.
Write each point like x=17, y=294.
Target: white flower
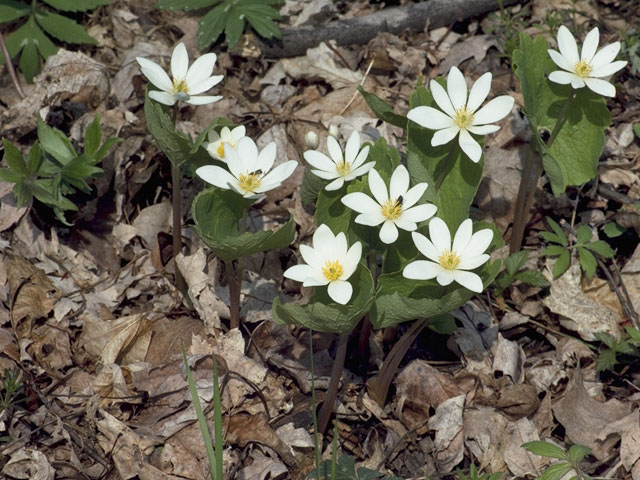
x=394, y=207
x=250, y=171
x=586, y=68
x=311, y=139
x=328, y=263
x=460, y=115
x=450, y=262
x=217, y=141
x=337, y=167
x=187, y=82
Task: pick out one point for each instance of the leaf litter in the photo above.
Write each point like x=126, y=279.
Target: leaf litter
x=90, y=318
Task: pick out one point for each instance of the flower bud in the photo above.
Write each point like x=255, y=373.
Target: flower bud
x=312, y=140
x=334, y=131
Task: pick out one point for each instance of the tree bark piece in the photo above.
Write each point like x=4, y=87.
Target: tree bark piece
x=359, y=30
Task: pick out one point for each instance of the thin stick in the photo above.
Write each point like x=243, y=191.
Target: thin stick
x=521, y=210
x=316, y=447
x=12, y=72
x=332, y=392
x=177, y=225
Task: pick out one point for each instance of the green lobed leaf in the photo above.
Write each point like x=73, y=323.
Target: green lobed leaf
x=186, y=5
x=427, y=163
x=263, y=25
x=78, y=170
x=75, y=5
x=92, y=136
x=443, y=324
x=553, y=238
x=14, y=159
x=211, y=26
x=10, y=176
x=553, y=250
x=587, y=262
x=234, y=26
x=12, y=10
x=556, y=471
x=104, y=149
x=607, y=359
x=515, y=262
x=399, y=299
x=578, y=452
x=322, y=314
x=636, y=129
x=63, y=28
x=545, y=449
x=562, y=264
x=572, y=158
x=55, y=143
x=533, y=278
x=34, y=160
x=383, y=110
x=601, y=247
x=634, y=334
x=29, y=61
x=583, y=234
x=174, y=145
x=558, y=231
x=612, y=229
x=216, y=214
x=29, y=34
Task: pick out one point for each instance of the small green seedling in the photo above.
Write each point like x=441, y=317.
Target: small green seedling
x=570, y=461
x=514, y=271
x=586, y=249
x=230, y=17
x=31, y=40
x=628, y=345
x=344, y=469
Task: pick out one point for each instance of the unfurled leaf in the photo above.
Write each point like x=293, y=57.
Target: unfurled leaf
x=14, y=158
x=533, y=278
x=553, y=250
x=562, y=264
x=173, y=144
x=612, y=229
x=63, y=28
x=583, y=234
x=55, y=143
x=558, y=231
x=515, y=262
x=556, y=472
x=383, y=110
x=600, y=247
x=587, y=262
x=12, y=10
x=546, y=449
x=578, y=452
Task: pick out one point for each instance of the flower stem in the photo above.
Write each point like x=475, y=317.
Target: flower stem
x=332, y=392
x=7, y=62
x=316, y=447
x=177, y=225
x=235, y=280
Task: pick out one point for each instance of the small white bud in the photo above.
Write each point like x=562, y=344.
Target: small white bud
x=312, y=140
x=334, y=131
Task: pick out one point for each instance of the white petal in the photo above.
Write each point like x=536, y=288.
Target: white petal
x=560, y=61
x=399, y=184
x=326, y=175
x=319, y=160
x=201, y=69
x=457, y=88
x=477, y=245
x=277, y=175
x=429, y=117
x=441, y=98
x=234, y=161
x=237, y=133
x=335, y=152
x=444, y=136
x=156, y=75
x=312, y=257
x=361, y=170
x=483, y=129
x=216, y=176
x=215, y=136
x=248, y=154
x=204, y=85
x=378, y=187
x=267, y=156
x=577, y=83
x=563, y=78
x=339, y=248
x=601, y=87
x=495, y=110
x=361, y=203
x=323, y=239
x=315, y=280
x=404, y=224
x=440, y=237
x=462, y=236
x=299, y=273
x=351, y=260
x=179, y=62
x=163, y=97
x=340, y=291
x=605, y=56
x=414, y=194
x=388, y=232
x=353, y=147
x=421, y=270
x=362, y=156
x=445, y=277
x=204, y=99
x=468, y=280
x=419, y=213
x=470, y=146
x=567, y=45
x=479, y=91
x=590, y=45
x=474, y=262
x=370, y=219
x=608, y=69
x=426, y=247
x=335, y=185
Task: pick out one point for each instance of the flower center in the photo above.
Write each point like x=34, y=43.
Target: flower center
x=180, y=86
x=343, y=168
x=463, y=118
x=449, y=260
x=332, y=271
x=582, y=69
x=392, y=209
x=249, y=182
x=221, y=150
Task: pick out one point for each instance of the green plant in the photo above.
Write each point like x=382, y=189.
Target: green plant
x=506, y=27
x=474, y=474
x=631, y=49
x=11, y=389
x=628, y=345
x=343, y=468
x=514, y=271
x=568, y=460
x=230, y=17
x=586, y=249
x=30, y=38
x=53, y=169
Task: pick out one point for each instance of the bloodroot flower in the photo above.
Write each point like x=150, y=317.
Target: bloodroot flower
x=448, y=263
x=251, y=173
x=460, y=115
x=217, y=141
x=588, y=67
x=187, y=82
x=338, y=167
x=392, y=208
x=329, y=262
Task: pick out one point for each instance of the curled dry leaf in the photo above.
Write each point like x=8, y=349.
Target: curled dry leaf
x=29, y=464
x=449, y=441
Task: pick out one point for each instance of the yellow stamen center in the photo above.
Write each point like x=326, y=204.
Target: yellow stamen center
x=180, y=86
x=582, y=69
x=343, y=168
x=221, y=150
x=249, y=182
x=332, y=271
x=392, y=209
x=449, y=260
x=463, y=117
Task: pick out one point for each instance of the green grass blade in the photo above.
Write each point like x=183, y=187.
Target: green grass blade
x=217, y=421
